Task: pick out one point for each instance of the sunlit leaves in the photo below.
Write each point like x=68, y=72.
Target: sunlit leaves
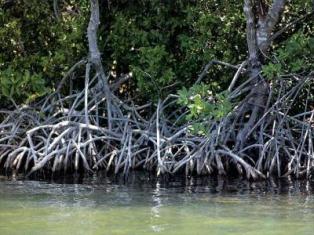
x=202, y=103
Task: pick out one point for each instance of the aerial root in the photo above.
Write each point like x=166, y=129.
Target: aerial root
x=92, y=129
x=77, y=131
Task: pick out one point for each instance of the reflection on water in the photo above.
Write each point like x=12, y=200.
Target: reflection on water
x=141, y=205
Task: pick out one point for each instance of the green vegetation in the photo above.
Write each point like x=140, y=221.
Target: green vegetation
x=295, y=55
x=36, y=48
x=169, y=42
x=196, y=86
x=165, y=46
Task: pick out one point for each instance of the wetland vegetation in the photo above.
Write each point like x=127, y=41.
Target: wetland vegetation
x=192, y=87
x=156, y=117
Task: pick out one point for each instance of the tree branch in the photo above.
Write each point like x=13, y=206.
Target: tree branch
x=267, y=25
x=251, y=34
x=55, y=9
x=285, y=28
x=94, y=55
x=92, y=33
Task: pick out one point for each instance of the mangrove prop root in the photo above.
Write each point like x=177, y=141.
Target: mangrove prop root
x=72, y=132
x=93, y=129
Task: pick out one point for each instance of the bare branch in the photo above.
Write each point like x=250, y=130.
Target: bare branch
x=267, y=25
x=251, y=33
x=55, y=9
x=92, y=33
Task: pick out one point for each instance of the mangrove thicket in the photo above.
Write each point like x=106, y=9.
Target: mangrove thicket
x=194, y=87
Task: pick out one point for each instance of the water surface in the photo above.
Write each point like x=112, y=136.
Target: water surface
x=148, y=206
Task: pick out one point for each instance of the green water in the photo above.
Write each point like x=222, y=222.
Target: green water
x=141, y=206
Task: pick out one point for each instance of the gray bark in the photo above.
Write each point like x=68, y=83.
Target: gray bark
x=95, y=56
x=267, y=24
x=259, y=28
x=251, y=34
x=92, y=34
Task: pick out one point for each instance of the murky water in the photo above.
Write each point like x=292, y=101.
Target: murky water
x=142, y=206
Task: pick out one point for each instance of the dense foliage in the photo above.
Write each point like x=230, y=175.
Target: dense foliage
x=163, y=44
x=196, y=86
x=168, y=43
x=36, y=48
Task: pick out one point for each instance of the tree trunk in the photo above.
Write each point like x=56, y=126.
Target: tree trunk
x=95, y=58
x=259, y=28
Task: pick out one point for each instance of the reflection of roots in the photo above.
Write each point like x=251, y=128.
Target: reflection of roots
x=72, y=133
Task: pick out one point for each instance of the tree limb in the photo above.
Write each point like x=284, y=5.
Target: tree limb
x=251, y=33
x=267, y=24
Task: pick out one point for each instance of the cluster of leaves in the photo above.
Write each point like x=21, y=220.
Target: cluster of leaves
x=156, y=64
x=16, y=85
x=204, y=103
x=293, y=56
x=167, y=44
x=36, y=48
x=164, y=44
